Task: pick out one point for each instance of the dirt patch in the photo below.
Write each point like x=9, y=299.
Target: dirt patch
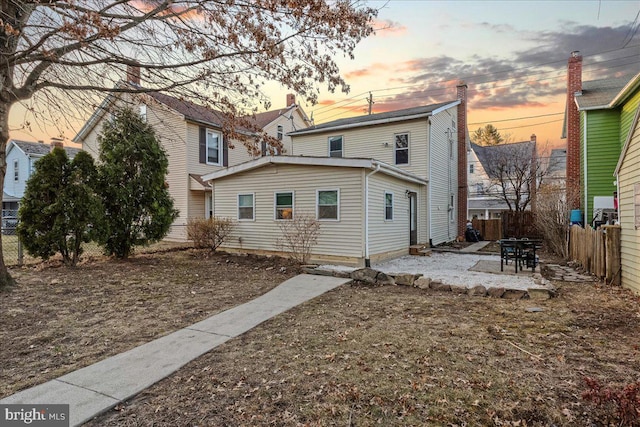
x=60, y=319
x=399, y=356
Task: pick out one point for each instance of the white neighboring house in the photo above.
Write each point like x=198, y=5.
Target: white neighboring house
x=21, y=159
x=194, y=141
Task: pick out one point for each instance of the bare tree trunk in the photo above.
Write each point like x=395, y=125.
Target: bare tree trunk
x=5, y=278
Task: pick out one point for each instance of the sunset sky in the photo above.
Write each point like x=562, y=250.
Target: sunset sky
x=512, y=55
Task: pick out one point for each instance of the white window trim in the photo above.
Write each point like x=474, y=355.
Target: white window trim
x=206, y=146
x=275, y=204
x=280, y=132
x=395, y=149
x=16, y=170
x=341, y=145
x=253, y=199
x=337, y=219
x=393, y=202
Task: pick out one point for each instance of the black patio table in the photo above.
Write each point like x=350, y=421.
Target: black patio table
x=521, y=251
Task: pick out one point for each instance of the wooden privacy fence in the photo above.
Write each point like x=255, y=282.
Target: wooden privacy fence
x=519, y=224
x=598, y=251
x=490, y=229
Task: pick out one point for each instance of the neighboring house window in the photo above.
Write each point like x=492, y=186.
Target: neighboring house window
x=32, y=166
x=213, y=147
x=388, y=206
x=284, y=205
x=328, y=202
x=246, y=207
x=402, y=149
x=479, y=188
x=16, y=170
x=636, y=204
x=280, y=132
x=471, y=168
x=143, y=112
x=268, y=150
x=335, y=146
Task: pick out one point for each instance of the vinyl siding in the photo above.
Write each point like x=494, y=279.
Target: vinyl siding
x=343, y=238
x=170, y=128
x=393, y=235
x=443, y=180
x=11, y=186
x=629, y=175
x=603, y=152
x=627, y=114
x=372, y=142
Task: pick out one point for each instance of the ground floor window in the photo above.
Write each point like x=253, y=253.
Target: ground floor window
x=388, y=206
x=328, y=204
x=246, y=207
x=284, y=205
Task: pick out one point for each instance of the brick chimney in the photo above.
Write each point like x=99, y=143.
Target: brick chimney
x=56, y=143
x=291, y=99
x=533, y=137
x=133, y=74
x=574, y=85
x=462, y=157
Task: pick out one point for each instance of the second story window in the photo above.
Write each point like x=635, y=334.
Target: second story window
x=479, y=188
x=143, y=112
x=471, y=168
x=16, y=170
x=280, y=133
x=213, y=147
x=335, y=146
x=402, y=148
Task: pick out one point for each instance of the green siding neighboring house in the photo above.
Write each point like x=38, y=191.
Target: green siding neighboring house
x=607, y=108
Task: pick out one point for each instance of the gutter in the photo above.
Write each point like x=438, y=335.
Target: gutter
x=367, y=260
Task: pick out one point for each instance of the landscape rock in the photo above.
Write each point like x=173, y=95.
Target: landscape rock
x=372, y=277
x=384, y=279
x=539, y=294
x=495, y=292
x=477, y=291
x=514, y=294
x=422, y=283
x=342, y=274
x=406, y=279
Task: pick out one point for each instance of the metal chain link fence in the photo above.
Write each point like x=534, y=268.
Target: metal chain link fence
x=14, y=253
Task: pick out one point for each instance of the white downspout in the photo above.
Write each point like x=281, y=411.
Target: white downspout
x=367, y=261
x=587, y=219
x=429, y=205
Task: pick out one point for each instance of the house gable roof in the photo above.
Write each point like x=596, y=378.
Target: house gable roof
x=38, y=149
x=557, y=162
x=380, y=118
x=487, y=154
x=606, y=93
x=315, y=161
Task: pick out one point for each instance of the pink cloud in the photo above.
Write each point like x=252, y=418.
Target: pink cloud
x=388, y=28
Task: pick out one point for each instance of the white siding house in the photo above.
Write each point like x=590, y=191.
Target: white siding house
x=21, y=159
x=362, y=205
x=628, y=176
x=193, y=139
x=419, y=140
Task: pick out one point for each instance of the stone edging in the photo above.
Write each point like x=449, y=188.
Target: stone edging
x=378, y=278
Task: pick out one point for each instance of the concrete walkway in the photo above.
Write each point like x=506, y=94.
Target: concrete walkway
x=99, y=387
